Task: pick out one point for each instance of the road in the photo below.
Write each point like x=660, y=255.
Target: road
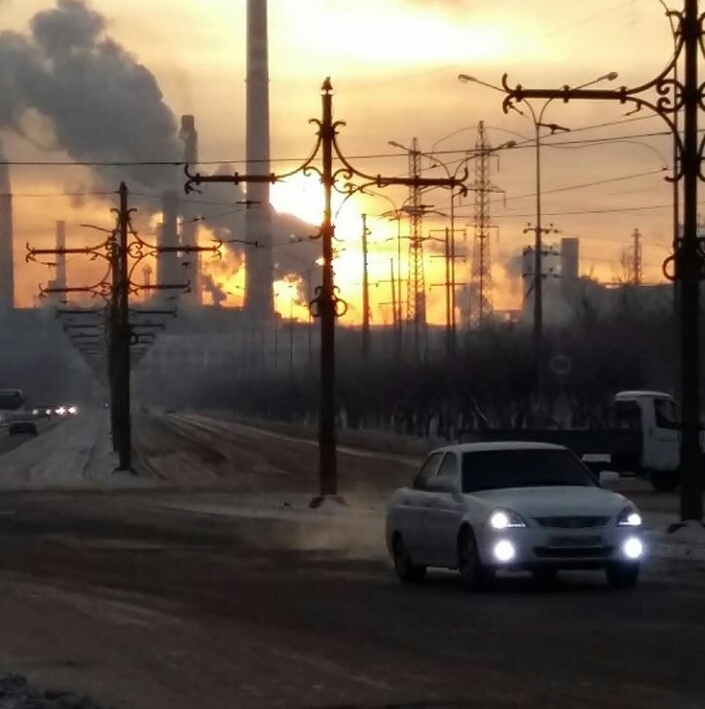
x=9, y=443
x=138, y=600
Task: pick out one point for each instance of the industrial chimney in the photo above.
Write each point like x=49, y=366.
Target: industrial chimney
x=168, y=266
x=570, y=263
x=189, y=231
x=7, y=275
x=258, y=296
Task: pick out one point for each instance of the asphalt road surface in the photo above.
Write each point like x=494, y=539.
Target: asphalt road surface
x=9, y=443
x=124, y=597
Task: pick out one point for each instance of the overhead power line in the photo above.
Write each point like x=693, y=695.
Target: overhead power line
x=591, y=211
x=361, y=156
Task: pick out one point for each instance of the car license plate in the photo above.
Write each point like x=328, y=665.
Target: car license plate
x=576, y=541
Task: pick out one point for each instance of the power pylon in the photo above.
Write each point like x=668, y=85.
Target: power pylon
x=480, y=292
x=416, y=291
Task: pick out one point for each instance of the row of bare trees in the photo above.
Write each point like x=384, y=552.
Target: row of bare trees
x=489, y=382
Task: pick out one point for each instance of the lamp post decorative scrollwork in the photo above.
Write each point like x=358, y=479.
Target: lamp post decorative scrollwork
x=123, y=255
x=667, y=96
x=327, y=305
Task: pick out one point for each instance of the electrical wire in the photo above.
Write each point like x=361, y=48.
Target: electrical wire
x=595, y=183
x=590, y=211
x=362, y=156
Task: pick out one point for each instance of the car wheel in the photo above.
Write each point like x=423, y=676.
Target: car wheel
x=407, y=571
x=622, y=575
x=545, y=577
x=665, y=480
x=472, y=573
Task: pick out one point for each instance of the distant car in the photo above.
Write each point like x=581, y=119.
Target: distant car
x=484, y=507
x=43, y=411
x=66, y=410
x=23, y=426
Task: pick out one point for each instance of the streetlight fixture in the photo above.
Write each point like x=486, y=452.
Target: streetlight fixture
x=537, y=119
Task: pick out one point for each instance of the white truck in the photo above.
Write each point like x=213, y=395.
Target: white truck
x=643, y=438
x=14, y=413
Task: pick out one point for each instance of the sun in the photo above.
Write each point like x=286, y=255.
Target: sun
x=302, y=196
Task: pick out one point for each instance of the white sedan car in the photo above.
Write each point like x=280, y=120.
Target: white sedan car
x=482, y=507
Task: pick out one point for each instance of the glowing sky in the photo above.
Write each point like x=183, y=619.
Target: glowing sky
x=394, y=65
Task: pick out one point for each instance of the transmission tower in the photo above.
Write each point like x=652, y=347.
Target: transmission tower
x=480, y=292
x=416, y=291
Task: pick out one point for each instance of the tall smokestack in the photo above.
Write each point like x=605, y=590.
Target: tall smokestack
x=168, y=268
x=570, y=263
x=60, y=258
x=189, y=230
x=7, y=272
x=258, y=296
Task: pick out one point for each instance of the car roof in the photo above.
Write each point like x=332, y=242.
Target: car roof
x=498, y=446
x=640, y=394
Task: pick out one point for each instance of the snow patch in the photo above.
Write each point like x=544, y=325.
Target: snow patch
x=686, y=541
x=75, y=454
x=690, y=531
x=15, y=693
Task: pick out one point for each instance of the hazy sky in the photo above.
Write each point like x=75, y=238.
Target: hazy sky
x=394, y=65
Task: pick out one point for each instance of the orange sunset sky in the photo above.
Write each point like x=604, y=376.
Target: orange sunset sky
x=394, y=66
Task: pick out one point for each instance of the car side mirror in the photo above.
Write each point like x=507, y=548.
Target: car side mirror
x=609, y=477
x=438, y=485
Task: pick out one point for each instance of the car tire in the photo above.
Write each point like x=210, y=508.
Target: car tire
x=407, y=571
x=665, y=480
x=472, y=572
x=622, y=575
x=545, y=577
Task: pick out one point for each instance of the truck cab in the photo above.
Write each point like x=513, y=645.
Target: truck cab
x=657, y=416
x=642, y=438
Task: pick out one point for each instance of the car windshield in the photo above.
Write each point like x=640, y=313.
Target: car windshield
x=500, y=469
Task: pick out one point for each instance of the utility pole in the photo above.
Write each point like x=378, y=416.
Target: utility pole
x=687, y=263
x=365, y=296
x=291, y=339
x=276, y=335
x=396, y=341
x=115, y=288
x=396, y=315
x=537, y=277
x=448, y=285
x=122, y=348
x=327, y=305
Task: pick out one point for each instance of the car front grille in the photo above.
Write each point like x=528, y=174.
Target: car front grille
x=573, y=552
x=572, y=522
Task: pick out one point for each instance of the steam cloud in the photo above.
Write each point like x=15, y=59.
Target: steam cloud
x=102, y=104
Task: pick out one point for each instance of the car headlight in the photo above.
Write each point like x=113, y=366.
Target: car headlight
x=72, y=410
x=629, y=517
x=633, y=548
x=506, y=519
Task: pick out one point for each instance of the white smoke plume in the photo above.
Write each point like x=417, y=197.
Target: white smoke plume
x=102, y=104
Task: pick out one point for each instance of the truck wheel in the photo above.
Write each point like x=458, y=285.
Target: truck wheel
x=665, y=480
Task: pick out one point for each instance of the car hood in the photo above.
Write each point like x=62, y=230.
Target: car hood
x=554, y=500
